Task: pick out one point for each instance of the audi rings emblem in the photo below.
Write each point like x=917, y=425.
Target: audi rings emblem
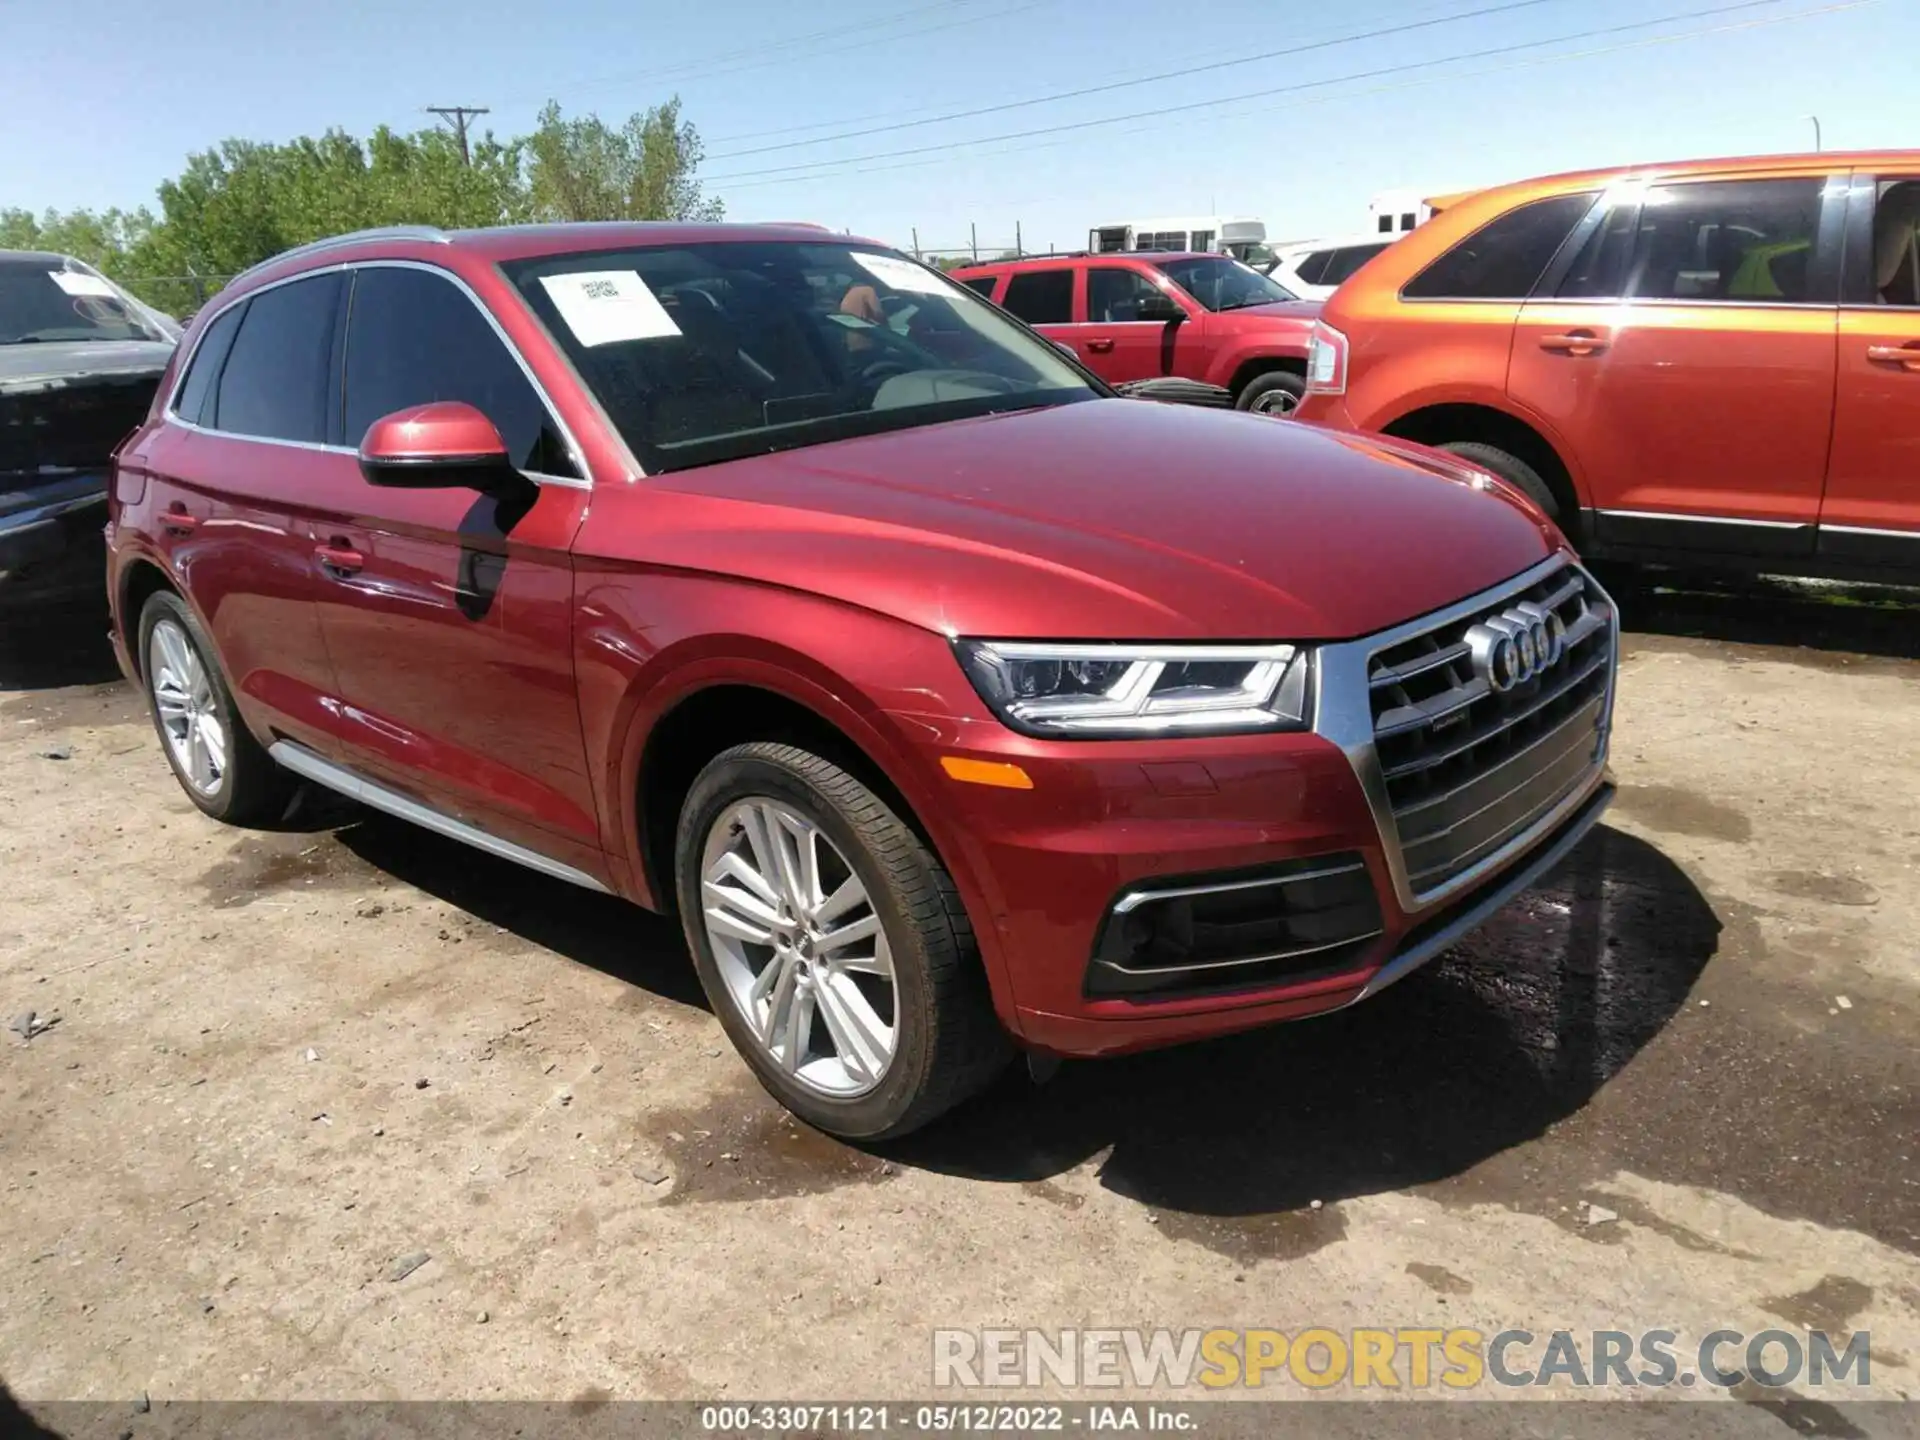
x=1517, y=645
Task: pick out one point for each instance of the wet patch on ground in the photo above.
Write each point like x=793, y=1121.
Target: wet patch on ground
x=1826, y=889
x=262, y=866
x=1674, y=811
x=1054, y=1194
x=740, y=1145
x=1439, y=1279
x=1830, y=1305
x=1249, y=1239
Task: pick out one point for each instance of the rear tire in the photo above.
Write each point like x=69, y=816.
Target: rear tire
x=1512, y=469
x=1277, y=393
x=213, y=755
x=779, y=852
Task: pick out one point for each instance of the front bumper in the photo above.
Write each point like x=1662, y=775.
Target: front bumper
x=1110, y=828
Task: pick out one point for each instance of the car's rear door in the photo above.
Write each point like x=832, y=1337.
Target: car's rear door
x=228, y=486
x=1870, y=514
x=448, y=612
x=1045, y=298
x=1684, y=347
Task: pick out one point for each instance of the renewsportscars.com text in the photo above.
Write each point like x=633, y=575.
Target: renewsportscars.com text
x=1453, y=1358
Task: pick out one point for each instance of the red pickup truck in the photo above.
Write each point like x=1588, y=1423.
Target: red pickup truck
x=1139, y=316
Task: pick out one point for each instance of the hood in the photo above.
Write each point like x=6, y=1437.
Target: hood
x=1105, y=519
x=46, y=363
x=1302, y=312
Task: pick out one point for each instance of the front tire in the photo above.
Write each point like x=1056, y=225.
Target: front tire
x=1511, y=468
x=831, y=944
x=213, y=755
x=1277, y=393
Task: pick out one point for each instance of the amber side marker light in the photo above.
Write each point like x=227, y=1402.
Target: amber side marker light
x=986, y=772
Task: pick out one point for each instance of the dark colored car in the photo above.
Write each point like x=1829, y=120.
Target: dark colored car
x=952, y=702
x=79, y=362
x=1143, y=315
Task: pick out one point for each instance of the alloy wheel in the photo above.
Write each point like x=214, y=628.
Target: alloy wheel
x=800, y=947
x=189, y=714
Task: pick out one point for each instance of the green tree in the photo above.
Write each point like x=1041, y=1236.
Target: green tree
x=585, y=169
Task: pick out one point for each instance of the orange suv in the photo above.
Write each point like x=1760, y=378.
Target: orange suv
x=1710, y=362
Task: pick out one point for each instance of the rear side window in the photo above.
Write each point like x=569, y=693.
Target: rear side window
x=274, y=384
x=191, y=403
x=415, y=337
x=1041, y=297
x=982, y=284
x=1341, y=264
x=1313, y=267
x=1727, y=241
x=1504, y=258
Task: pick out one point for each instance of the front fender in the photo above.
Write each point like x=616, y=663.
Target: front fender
x=1230, y=358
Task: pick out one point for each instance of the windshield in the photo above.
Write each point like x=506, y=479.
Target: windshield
x=44, y=302
x=701, y=353
x=1222, y=284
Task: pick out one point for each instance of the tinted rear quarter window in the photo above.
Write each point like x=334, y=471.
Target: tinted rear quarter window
x=211, y=353
x=1341, y=264
x=1505, y=257
x=982, y=284
x=1041, y=297
x=415, y=337
x=1313, y=267
x=274, y=384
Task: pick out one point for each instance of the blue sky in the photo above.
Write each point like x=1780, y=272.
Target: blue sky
x=99, y=114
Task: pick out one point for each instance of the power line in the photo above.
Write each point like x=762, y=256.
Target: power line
x=1383, y=32
x=1530, y=63
x=775, y=51
x=1213, y=104
x=459, y=115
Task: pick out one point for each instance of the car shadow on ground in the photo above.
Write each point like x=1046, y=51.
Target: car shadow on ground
x=619, y=939
x=1881, y=620
x=51, y=644
x=1508, y=1033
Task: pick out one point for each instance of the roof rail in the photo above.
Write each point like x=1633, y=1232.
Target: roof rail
x=433, y=234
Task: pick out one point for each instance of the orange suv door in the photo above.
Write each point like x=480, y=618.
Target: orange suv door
x=1683, y=347
x=1871, y=515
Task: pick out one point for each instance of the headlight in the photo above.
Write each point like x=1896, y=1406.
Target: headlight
x=1097, y=691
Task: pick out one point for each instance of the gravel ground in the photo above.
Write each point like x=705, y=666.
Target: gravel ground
x=346, y=1110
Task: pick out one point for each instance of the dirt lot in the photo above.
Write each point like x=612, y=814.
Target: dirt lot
x=283, y=1061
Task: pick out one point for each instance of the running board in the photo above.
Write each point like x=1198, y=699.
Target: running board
x=303, y=762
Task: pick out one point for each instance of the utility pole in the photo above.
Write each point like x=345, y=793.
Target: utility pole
x=458, y=115
x=916, y=242
x=1816, y=131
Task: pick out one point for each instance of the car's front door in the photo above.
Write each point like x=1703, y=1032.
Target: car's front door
x=1119, y=346
x=1871, y=511
x=448, y=612
x=1686, y=355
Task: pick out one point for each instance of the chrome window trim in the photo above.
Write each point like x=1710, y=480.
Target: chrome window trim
x=1343, y=714
x=583, y=482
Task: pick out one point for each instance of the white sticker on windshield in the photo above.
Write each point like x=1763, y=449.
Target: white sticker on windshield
x=603, y=306
x=76, y=283
x=900, y=274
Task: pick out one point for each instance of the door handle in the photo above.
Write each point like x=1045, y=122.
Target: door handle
x=1574, y=342
x=1100, y=347
x=176, y=520
x=1906, y=356
x=339, y=559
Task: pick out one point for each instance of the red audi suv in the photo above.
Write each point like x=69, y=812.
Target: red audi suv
x=769, y=577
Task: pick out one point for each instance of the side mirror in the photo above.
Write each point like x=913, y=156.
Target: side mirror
x=1158, y=308
x=443, y=445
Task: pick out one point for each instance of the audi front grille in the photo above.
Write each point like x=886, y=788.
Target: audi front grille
x=1485, y=723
